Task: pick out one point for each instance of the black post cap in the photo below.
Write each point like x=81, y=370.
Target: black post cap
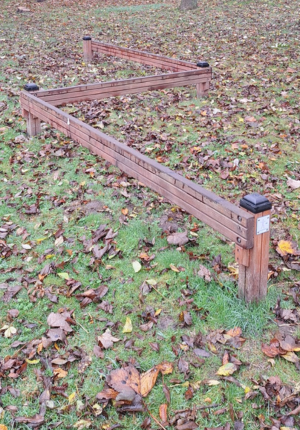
x=202, y=64
x=255, y=203
x=31, y=87
x=86, y=38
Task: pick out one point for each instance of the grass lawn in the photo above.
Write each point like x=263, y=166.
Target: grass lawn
x=61, y=205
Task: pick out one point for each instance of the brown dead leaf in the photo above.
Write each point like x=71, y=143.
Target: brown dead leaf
x=292, y=183
x=178, y=239
x=107, y=340
x=163, y=413
x=204, y=273
x=59, y=320
x=148, y=380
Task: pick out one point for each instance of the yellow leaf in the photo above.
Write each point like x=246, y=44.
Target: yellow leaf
x=50, y=256
x=247, y=390
x=124, y=211
x=82, y=424
x=3, y=427
x=208, y=400
x=291, y=356
x=72, y=397
x=157, y=312
x=136, y=266
x=32, y=361
x=212, y=382
x=227, y=369
x=10, y=331
x=128, y=326
x=64, y=276
x=185, y=384
x=284, y=248
x=151, y=282
x=174, y=268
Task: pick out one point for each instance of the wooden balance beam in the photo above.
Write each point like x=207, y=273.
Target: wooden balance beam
x=247, y=227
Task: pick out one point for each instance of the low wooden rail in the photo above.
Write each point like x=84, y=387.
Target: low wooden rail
x=248, y=229
x=201, y=68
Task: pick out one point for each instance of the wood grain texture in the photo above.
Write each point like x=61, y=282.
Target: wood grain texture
x=223, y=216
x=87, y=51
x=142, y=57
x=103, y=90
x=33, y=124
x=253, y=279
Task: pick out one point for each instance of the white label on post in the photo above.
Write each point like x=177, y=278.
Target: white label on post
x=263, y=224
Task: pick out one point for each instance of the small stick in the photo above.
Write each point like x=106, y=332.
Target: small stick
x=82, y=327
x=214, y=405
x=161, y=295
x=153, y=417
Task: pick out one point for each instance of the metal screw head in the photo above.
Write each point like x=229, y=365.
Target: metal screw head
x=239, y=218
x=238, y=239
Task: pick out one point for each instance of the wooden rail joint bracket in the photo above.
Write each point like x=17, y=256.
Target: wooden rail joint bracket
x=253, y=263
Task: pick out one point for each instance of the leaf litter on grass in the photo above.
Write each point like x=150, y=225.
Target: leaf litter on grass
x=57, y=257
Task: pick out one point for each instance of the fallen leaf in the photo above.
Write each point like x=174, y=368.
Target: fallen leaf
x=292, y=183
x=82, y=424
x=163, y=412
x=285, y=247
x=178, y=239
x=128, y=326
x=107, y=340
x=136, y=266
x=227, y=369
x=204, y=273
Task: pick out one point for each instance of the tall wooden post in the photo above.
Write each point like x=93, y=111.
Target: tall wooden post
x=203, y=87
x=87, y=49
x=253, y=263
x=33, y=123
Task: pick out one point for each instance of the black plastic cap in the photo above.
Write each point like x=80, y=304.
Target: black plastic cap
x=202, y=64
x=31, y=87
x=87, y=38
x=255, y=203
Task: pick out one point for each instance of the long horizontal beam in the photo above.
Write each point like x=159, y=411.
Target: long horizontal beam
x=103, y=90
x=233, y=222
x=142, y=57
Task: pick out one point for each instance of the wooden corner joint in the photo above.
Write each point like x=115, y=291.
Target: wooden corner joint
x=242, y=256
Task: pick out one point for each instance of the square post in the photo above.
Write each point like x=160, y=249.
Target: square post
x=33, y=123
x=203, y=87
x=87, y=49
x=253, y=263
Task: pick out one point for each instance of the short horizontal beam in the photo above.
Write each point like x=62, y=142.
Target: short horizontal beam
x=142, y=57
x=103, y=90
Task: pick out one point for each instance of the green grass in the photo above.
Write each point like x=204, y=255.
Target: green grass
x=167, y=124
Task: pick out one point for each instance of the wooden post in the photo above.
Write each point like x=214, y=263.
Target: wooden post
x=87, y=49
x=203, y=87
x=253, y=263
x=33, y=123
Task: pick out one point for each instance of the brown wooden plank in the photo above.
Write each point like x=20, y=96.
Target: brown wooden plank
x=191, y=188
x=127, y=86
x=100, y=137
x=173, y=193
x=213, y=218
x=141, y=56
x=58, y=100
